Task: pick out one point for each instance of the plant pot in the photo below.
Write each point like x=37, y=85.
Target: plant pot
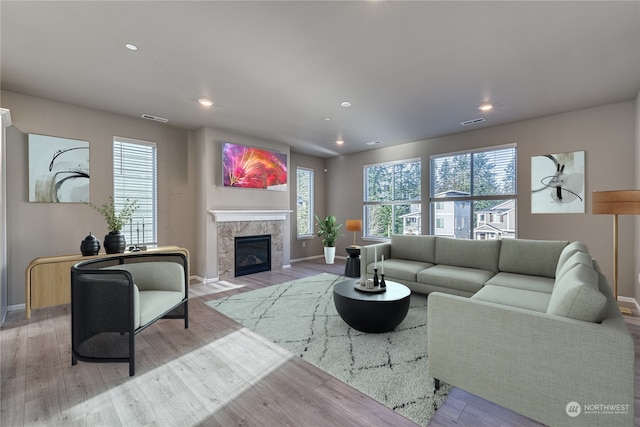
x=90, y=245
x=329, y=254
x=115, y=243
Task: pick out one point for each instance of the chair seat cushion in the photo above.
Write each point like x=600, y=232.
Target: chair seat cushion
x=155, y=303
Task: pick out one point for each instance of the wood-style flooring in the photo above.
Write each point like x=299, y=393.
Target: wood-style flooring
x=216, y=373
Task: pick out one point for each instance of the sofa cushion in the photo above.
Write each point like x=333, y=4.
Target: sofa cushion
x=523, y=281
x=479, y=254
x=400, y=269
x=521, y=298
x=449, y=276
x=532, y=257
x=578, y=257
x=415, y=248
x=576, y=295
x=568, y=251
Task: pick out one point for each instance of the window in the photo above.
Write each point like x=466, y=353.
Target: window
x=480, y=189
x=135, y=178
x=304, y=203
x=392, y=198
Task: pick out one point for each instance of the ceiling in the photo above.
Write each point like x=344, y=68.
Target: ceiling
x=278, y=70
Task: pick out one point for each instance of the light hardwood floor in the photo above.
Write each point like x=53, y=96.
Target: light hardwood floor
x=216, y=373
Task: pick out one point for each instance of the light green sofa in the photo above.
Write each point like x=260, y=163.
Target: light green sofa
x=528, y=324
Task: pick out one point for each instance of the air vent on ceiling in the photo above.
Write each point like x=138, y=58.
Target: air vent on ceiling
x=374, y=142
x=473, y=121
x=154, y=118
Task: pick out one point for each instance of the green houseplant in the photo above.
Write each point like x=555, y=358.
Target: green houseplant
x=115, y=242
x=328, y=230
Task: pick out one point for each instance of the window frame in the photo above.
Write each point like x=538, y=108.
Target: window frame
x=145, y=224
x=471, y=197
x=310, y=200
x=393, y=203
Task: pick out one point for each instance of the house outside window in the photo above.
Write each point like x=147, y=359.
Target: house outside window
x=135, y=177
x=304, y=202
x=392, y=196
x=479, y=191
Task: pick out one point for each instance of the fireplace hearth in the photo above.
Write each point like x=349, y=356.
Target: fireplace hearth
x=252, y=254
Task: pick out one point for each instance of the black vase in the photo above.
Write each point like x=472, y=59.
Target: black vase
x=90, y=245
x=115, y=243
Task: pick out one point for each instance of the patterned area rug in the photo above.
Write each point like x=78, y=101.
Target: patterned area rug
x=300, y=316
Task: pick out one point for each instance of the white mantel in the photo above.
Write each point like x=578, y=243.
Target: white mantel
x=249, y=215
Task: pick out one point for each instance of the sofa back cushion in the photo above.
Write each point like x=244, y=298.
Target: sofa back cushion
x=531, y=257
x=578, y=257
x=568, y=251
x=413, y=248
x=576, y=295
x=155, y=276
x=481, y=254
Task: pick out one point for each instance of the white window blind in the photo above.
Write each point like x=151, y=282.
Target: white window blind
x=135, y=178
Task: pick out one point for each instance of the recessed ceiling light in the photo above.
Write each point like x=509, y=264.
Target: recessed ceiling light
x=345, y=104
x=205, y=102
x=131, y=46
x=339, y=141
x=486, y=107
x=327, y=118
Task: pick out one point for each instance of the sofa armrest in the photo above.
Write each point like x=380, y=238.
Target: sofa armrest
x=530, y=362
x=367, y=254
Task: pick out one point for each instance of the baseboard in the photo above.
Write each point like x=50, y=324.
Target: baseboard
x=307, y=258
x=630, y=300
x=17, y=307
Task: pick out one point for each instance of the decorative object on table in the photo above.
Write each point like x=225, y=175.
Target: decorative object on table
x=557, y=183
x=354, y=225
x=328, y=230
x=382, y=283
x=90, y=245
x=137, y=247
x=375, y=281
x=58, y=169
x=115, y=242
x=367, y=286
x=621, y=202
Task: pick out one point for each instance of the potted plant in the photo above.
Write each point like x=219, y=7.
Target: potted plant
x=328, y=231
x=115, y=242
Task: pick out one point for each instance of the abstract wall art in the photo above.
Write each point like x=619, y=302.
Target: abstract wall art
x=557, y=183
x=249, y=167
x=58, y=169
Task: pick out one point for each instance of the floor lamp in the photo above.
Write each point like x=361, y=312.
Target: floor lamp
x=620, y=202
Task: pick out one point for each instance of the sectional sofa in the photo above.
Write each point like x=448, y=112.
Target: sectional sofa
x=531, y=325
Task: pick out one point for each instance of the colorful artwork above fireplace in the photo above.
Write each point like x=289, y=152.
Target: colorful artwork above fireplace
x=249, y=167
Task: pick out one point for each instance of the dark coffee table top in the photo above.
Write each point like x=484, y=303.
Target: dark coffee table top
x=395, y=292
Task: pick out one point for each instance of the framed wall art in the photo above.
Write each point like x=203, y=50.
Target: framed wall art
x=557, y=183
x=58, y=169
x=249, y=167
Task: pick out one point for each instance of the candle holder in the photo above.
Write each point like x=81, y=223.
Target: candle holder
x=382, y=283
x=375, y=278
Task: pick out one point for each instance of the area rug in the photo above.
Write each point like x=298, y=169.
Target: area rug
x=300, y=316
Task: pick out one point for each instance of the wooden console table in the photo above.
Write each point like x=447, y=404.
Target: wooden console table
x=48, y=279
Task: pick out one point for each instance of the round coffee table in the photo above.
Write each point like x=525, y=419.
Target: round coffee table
x=372, y=312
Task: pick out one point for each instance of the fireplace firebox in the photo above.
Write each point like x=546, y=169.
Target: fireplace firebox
x=252, y=254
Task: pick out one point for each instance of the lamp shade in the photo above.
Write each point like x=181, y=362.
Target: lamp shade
x=619, y=202
x=354, y=225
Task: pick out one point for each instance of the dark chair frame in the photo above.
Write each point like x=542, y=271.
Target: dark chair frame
x=102, y=308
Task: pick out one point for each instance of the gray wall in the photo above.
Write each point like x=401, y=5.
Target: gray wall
x=46, y=229
x=608, y=136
